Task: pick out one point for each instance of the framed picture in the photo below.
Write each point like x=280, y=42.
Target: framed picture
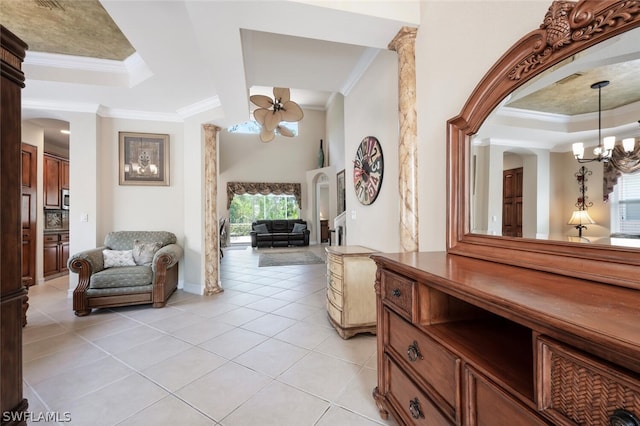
x=144, y=159
x=342, y=202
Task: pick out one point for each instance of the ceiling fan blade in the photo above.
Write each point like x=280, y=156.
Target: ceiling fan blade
x=291, y=111
x=271, y=121
x=260, y=114
x=284, y=131
x=262, y=101
x=267, y=135
x=282, y=94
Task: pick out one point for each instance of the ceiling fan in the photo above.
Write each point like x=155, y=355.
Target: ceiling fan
x=273, y=111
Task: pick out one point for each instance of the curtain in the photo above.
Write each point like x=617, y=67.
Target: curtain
x=620, y=162
x=263, y=188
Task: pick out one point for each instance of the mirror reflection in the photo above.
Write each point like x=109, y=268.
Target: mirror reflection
x=560, y=160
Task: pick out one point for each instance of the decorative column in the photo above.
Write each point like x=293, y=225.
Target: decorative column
x=211, y=243
x=404, y=44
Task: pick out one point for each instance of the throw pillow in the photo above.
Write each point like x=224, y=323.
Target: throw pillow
x=143, y=252
x=114, y=258
x=261, y=228
x=298, y=227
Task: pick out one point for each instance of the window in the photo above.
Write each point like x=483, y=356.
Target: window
x=625, y=205
x=247, y=208
x=253, y=128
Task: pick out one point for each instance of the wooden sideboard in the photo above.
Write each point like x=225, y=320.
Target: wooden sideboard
x=351, y=298
x=463, y=341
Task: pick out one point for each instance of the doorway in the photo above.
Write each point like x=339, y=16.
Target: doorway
x=512, y=202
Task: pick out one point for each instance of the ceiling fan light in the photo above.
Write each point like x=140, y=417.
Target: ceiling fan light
x=578, y=150
x=609, y=142
x=629, y=144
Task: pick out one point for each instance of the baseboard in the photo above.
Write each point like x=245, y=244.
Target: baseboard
x=193, y=288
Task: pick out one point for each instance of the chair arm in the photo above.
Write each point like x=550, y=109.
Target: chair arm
x=93, y=258
x=166, y=257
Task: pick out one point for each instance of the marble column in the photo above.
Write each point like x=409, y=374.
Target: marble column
x=211, y=237
x=404, y=44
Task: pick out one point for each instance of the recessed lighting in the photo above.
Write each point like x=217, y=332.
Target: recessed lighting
x=66, y=132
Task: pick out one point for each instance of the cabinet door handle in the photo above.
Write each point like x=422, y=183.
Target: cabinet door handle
x=413, y=353
x=623, y=418
x=414, y=409
x=396, y=292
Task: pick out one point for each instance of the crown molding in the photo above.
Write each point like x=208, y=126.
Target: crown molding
x=56, y=60
x=366, y=59
x=200, y=106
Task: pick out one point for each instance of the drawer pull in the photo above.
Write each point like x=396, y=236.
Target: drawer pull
x=396, y=292
x=414, y=409
x=413, y=353
x=623, y=418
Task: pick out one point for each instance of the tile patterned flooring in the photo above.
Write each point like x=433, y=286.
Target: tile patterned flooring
x=262, y=352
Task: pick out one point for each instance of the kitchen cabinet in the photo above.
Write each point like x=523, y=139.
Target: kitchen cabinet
x=56, y=254
x=56, y=178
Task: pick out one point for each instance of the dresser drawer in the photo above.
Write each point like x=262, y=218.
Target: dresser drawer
x=334, y=312
x=335, y=281
x=334, y=297
x=399, y=292
x=426, y=360
x=577, y=388
x=334, y=264
x=51, y=238
x=64, y=238
x=409, y=401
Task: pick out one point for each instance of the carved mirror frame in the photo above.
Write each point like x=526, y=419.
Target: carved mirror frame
x=568, y=28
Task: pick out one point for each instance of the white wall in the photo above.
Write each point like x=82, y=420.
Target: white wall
x=371, y=109
x=335, y=132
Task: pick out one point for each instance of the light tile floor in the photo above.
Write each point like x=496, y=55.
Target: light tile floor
x=262, y=352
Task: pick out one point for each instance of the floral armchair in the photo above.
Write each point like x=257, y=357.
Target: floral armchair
x=131, y=268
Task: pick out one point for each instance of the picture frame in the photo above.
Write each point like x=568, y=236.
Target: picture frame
x=342, y=202
x=143, y=159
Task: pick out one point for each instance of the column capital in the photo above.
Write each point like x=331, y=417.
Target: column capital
x=405, y=35
x=211, y=127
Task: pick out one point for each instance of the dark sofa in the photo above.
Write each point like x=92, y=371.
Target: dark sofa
x=279, y=233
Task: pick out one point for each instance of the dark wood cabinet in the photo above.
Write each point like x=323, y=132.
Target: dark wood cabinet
x=29, y=212
x=56, y=254
x=12, y=290
x=463, y=341
x=56, y=178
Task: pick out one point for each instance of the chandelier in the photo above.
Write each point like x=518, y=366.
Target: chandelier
x=605, y=148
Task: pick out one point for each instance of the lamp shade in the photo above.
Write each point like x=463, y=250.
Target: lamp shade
x=579, y=217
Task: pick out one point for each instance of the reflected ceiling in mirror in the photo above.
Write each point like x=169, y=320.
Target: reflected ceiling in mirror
x=534, y=128
x=532, y=105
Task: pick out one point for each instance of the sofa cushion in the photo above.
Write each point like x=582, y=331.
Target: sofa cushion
x=117, y=258
x=298, y=227
x=124, y=240
x=261, y=228
x=126, y=276
x=143, y=252
x=280, y=226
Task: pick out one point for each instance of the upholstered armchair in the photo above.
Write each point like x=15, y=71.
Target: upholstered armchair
x=131, y=268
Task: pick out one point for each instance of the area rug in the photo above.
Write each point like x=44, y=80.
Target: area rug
x=289, y=258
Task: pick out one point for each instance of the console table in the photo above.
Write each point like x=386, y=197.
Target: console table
x=467, y=341
x=351, y=297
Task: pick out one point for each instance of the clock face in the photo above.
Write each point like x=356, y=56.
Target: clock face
x=367, y=170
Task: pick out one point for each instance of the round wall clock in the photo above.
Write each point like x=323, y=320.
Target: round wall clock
x=368, y=167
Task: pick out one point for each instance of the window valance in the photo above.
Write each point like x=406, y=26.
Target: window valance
x=264, y=188
x=620, y=162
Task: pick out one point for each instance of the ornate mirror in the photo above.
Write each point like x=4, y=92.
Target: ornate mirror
x=558, y=52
